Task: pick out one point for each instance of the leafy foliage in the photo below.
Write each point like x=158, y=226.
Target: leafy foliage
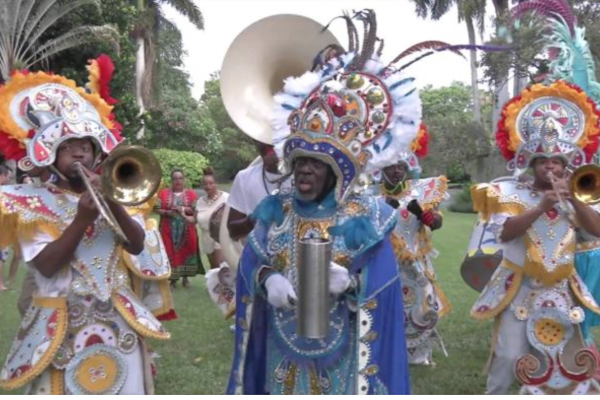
x=122, y=15
x=236, y=149
x=454, y=142
x=189, y=162
x=462, y=202
x=26, y=39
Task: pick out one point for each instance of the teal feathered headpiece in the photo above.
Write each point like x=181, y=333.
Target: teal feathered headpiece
x=570, y=57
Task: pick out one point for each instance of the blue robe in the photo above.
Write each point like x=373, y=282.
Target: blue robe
x=365, y=352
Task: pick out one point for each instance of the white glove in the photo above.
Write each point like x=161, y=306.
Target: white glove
x=280, y=292
x=339, y=279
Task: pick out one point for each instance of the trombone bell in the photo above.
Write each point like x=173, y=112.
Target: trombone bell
x=585, y=184
x=131, y=175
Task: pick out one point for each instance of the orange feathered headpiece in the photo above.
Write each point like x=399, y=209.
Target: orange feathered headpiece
x=558, y=120
x=39, y=111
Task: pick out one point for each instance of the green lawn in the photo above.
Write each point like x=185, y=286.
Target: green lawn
x=197, y=359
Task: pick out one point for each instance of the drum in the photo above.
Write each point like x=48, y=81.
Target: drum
x=483, y=257
x=214, y=223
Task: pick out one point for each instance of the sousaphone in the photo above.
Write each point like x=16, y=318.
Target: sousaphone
x=253, y=71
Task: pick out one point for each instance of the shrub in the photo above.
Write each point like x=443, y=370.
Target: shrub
x=462, y=201
x=189, y=162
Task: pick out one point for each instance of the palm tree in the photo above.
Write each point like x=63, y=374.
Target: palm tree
x=472, y=12
x=23, y=24
x=145, y=35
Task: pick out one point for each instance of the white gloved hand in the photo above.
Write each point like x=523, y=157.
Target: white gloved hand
x=280, y=292
x=339, y=279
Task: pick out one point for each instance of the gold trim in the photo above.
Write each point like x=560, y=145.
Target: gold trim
x=20, y=82
x=14, y=228
x=488, y=200
x=139, y=328
x=57, y=381
x=535, y=268
x=573, y=283
x=446, y=306
x=50, y=302
x=508, y=297
x=50, y=353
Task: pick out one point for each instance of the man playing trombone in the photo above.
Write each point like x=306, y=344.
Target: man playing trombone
x=84, y=332
x=536, y=296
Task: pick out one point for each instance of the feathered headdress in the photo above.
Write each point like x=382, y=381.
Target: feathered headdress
x=560, y=117
x=39, y=111
x=352, y=111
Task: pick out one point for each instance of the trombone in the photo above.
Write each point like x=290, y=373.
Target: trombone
x=130, y=176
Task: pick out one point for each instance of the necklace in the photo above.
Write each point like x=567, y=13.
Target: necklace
x=266, y=180
x=394, y=192
x=211, y=200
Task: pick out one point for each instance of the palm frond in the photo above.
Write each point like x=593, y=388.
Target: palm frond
x=188, y=9
x=74, y=37
x=32, y=19
x=440, y=8
x=51, y=17
x=22, y=18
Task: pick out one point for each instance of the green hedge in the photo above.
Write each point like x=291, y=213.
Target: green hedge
x=189, y=162
x=462, y=201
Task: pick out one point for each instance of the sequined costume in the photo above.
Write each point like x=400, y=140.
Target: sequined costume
x=347, y=112
x=85, y=330
x=365, y=352
x=424, y=301
x=536, y=295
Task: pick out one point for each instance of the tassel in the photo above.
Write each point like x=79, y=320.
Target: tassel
x=269, y=210
x=357, y=232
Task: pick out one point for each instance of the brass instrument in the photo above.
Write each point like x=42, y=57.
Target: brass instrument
x=258, y=61
x=130, y=176
x=585, y=184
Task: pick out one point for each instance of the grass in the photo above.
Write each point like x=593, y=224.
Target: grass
x=198, y=358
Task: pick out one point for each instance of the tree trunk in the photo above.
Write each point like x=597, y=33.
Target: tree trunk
x=473, y=64
x=479, y=174
x=501, y=91
x=140, y=69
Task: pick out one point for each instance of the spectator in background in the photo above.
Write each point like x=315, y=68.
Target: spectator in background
x=178, y=233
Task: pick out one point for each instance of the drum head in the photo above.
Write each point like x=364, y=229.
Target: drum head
x=214, y=222
x=476, y=271
x=483, y=257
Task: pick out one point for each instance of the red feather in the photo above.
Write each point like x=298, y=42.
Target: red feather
x=428, y=45
x=107, y=69
x=10, y=147
x=423, y=142
x=546, y=8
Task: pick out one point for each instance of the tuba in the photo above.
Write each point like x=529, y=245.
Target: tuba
x=130, y=176
x=253, y=71
x=258, y=61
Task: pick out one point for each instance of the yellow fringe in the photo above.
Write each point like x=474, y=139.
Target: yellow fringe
x=60, y=304
x=139, y=328
x=14, y=229
x=508, y=297
x=446, y=306
x=165, y=292
x=534, y=267
x=487, y=201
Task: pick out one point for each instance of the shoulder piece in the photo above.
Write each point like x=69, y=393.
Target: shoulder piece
x=27, y=209
x=500, y=197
